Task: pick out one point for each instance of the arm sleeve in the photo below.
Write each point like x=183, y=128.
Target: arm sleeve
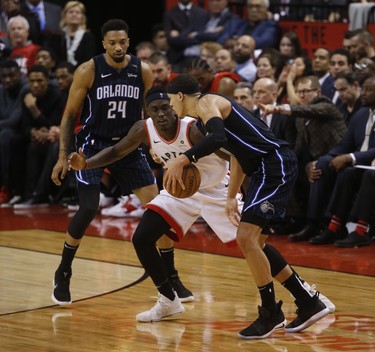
x=215, y=139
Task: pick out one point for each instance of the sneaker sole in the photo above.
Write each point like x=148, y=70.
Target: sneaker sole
x=186, y=299
x=55, y=300
x=277, y=327
x=310, y=321
x=181, y=310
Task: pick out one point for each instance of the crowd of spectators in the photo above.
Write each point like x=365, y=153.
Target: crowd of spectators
x=323, y=105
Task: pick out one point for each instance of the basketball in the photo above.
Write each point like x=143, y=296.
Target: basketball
x=192, y=180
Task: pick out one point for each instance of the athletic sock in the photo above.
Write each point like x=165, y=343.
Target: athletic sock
x=361, y=228
x=267, y=295
x=335, y=224
x=67, y=257
x=166, y=290
x=167, y=254
x=294, y=285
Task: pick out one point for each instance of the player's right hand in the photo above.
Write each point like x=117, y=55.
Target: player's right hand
x=59, y=171
x=77, y=161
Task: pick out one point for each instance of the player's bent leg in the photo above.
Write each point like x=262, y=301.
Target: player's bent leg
x=149, y=230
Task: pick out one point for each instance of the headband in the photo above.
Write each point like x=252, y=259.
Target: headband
x=156, y=96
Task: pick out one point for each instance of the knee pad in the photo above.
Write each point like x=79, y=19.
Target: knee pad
x=277, y=261
x=88, y=208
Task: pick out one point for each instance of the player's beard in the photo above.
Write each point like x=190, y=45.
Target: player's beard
x=118, y=59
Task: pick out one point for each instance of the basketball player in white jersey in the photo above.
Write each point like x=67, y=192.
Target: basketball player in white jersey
x=168, y=137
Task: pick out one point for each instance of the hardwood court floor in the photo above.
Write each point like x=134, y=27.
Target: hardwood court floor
x=109, y=288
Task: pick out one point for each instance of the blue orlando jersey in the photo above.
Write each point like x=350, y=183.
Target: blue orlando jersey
x=114, y=102
x=249, y=139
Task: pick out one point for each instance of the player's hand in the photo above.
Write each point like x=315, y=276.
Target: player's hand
x=59, y=171
x=173, y=173
x=231, y=209
x=77, y=161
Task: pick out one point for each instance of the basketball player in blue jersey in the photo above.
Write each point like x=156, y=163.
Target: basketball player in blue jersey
x=168, y=137
x=272, y=168
x=110, y=90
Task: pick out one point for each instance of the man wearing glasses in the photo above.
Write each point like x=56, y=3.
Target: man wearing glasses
x=320, y=126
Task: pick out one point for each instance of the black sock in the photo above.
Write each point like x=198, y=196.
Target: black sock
x=267, y=295
x=67, y=257
x=295, y=286
x=167, y=254
x=166, y=290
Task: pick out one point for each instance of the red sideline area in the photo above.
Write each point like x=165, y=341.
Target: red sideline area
x=200, y=238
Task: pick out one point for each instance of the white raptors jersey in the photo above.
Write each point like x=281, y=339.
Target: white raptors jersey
x=212, y=168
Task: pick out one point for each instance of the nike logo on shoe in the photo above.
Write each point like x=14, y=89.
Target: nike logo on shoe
x=104, y=76
x=156, y=141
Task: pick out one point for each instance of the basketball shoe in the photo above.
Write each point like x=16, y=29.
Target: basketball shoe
x=265, y=325
x=182, y=292
x=308, y=314
x=61, y=293
x=164, y=307
x=324, y=299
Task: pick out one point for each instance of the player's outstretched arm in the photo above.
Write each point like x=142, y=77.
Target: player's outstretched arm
x=136, y=136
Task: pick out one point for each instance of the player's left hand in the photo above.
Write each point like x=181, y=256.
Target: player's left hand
x=173, y=172
x=232, y=211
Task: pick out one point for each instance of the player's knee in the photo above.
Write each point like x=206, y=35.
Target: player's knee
x=81, y=222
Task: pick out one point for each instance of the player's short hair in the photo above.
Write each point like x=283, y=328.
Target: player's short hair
x=114, y=25
x=183, y=83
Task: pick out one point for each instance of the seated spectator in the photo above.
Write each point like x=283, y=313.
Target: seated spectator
x=243, y=95
x=265, y=31
x=320, y=65
x=11, y=8
x=208, y=52
x=24, y=50
x=12, y=84
x=269, y=64
x=76, y=44
x=320, y=126
x=161, y=69
x=220, y=82
x=347, y=86
x=159, y=38
x=46, y=57
x=332, y=170
x=283, y=126
x=301, y=67
x=180, y=20
x=144, y=50
x=222, y=23
x=243, y=54
x=225, y=61
x=361, y=44
x=361, y=215
x=364, y=68
x=41, y=114
x=289, y=46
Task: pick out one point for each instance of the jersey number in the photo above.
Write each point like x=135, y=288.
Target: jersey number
x=115, y=107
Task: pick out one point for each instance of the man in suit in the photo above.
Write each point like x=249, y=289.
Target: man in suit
x=48, y=16
x=284, y=127
x=334, y=170
x=321, y=66
x=320, y=126
x=180, y=20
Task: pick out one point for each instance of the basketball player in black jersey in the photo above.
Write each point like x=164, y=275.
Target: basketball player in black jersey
x=272, y=168
x=110, y=90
